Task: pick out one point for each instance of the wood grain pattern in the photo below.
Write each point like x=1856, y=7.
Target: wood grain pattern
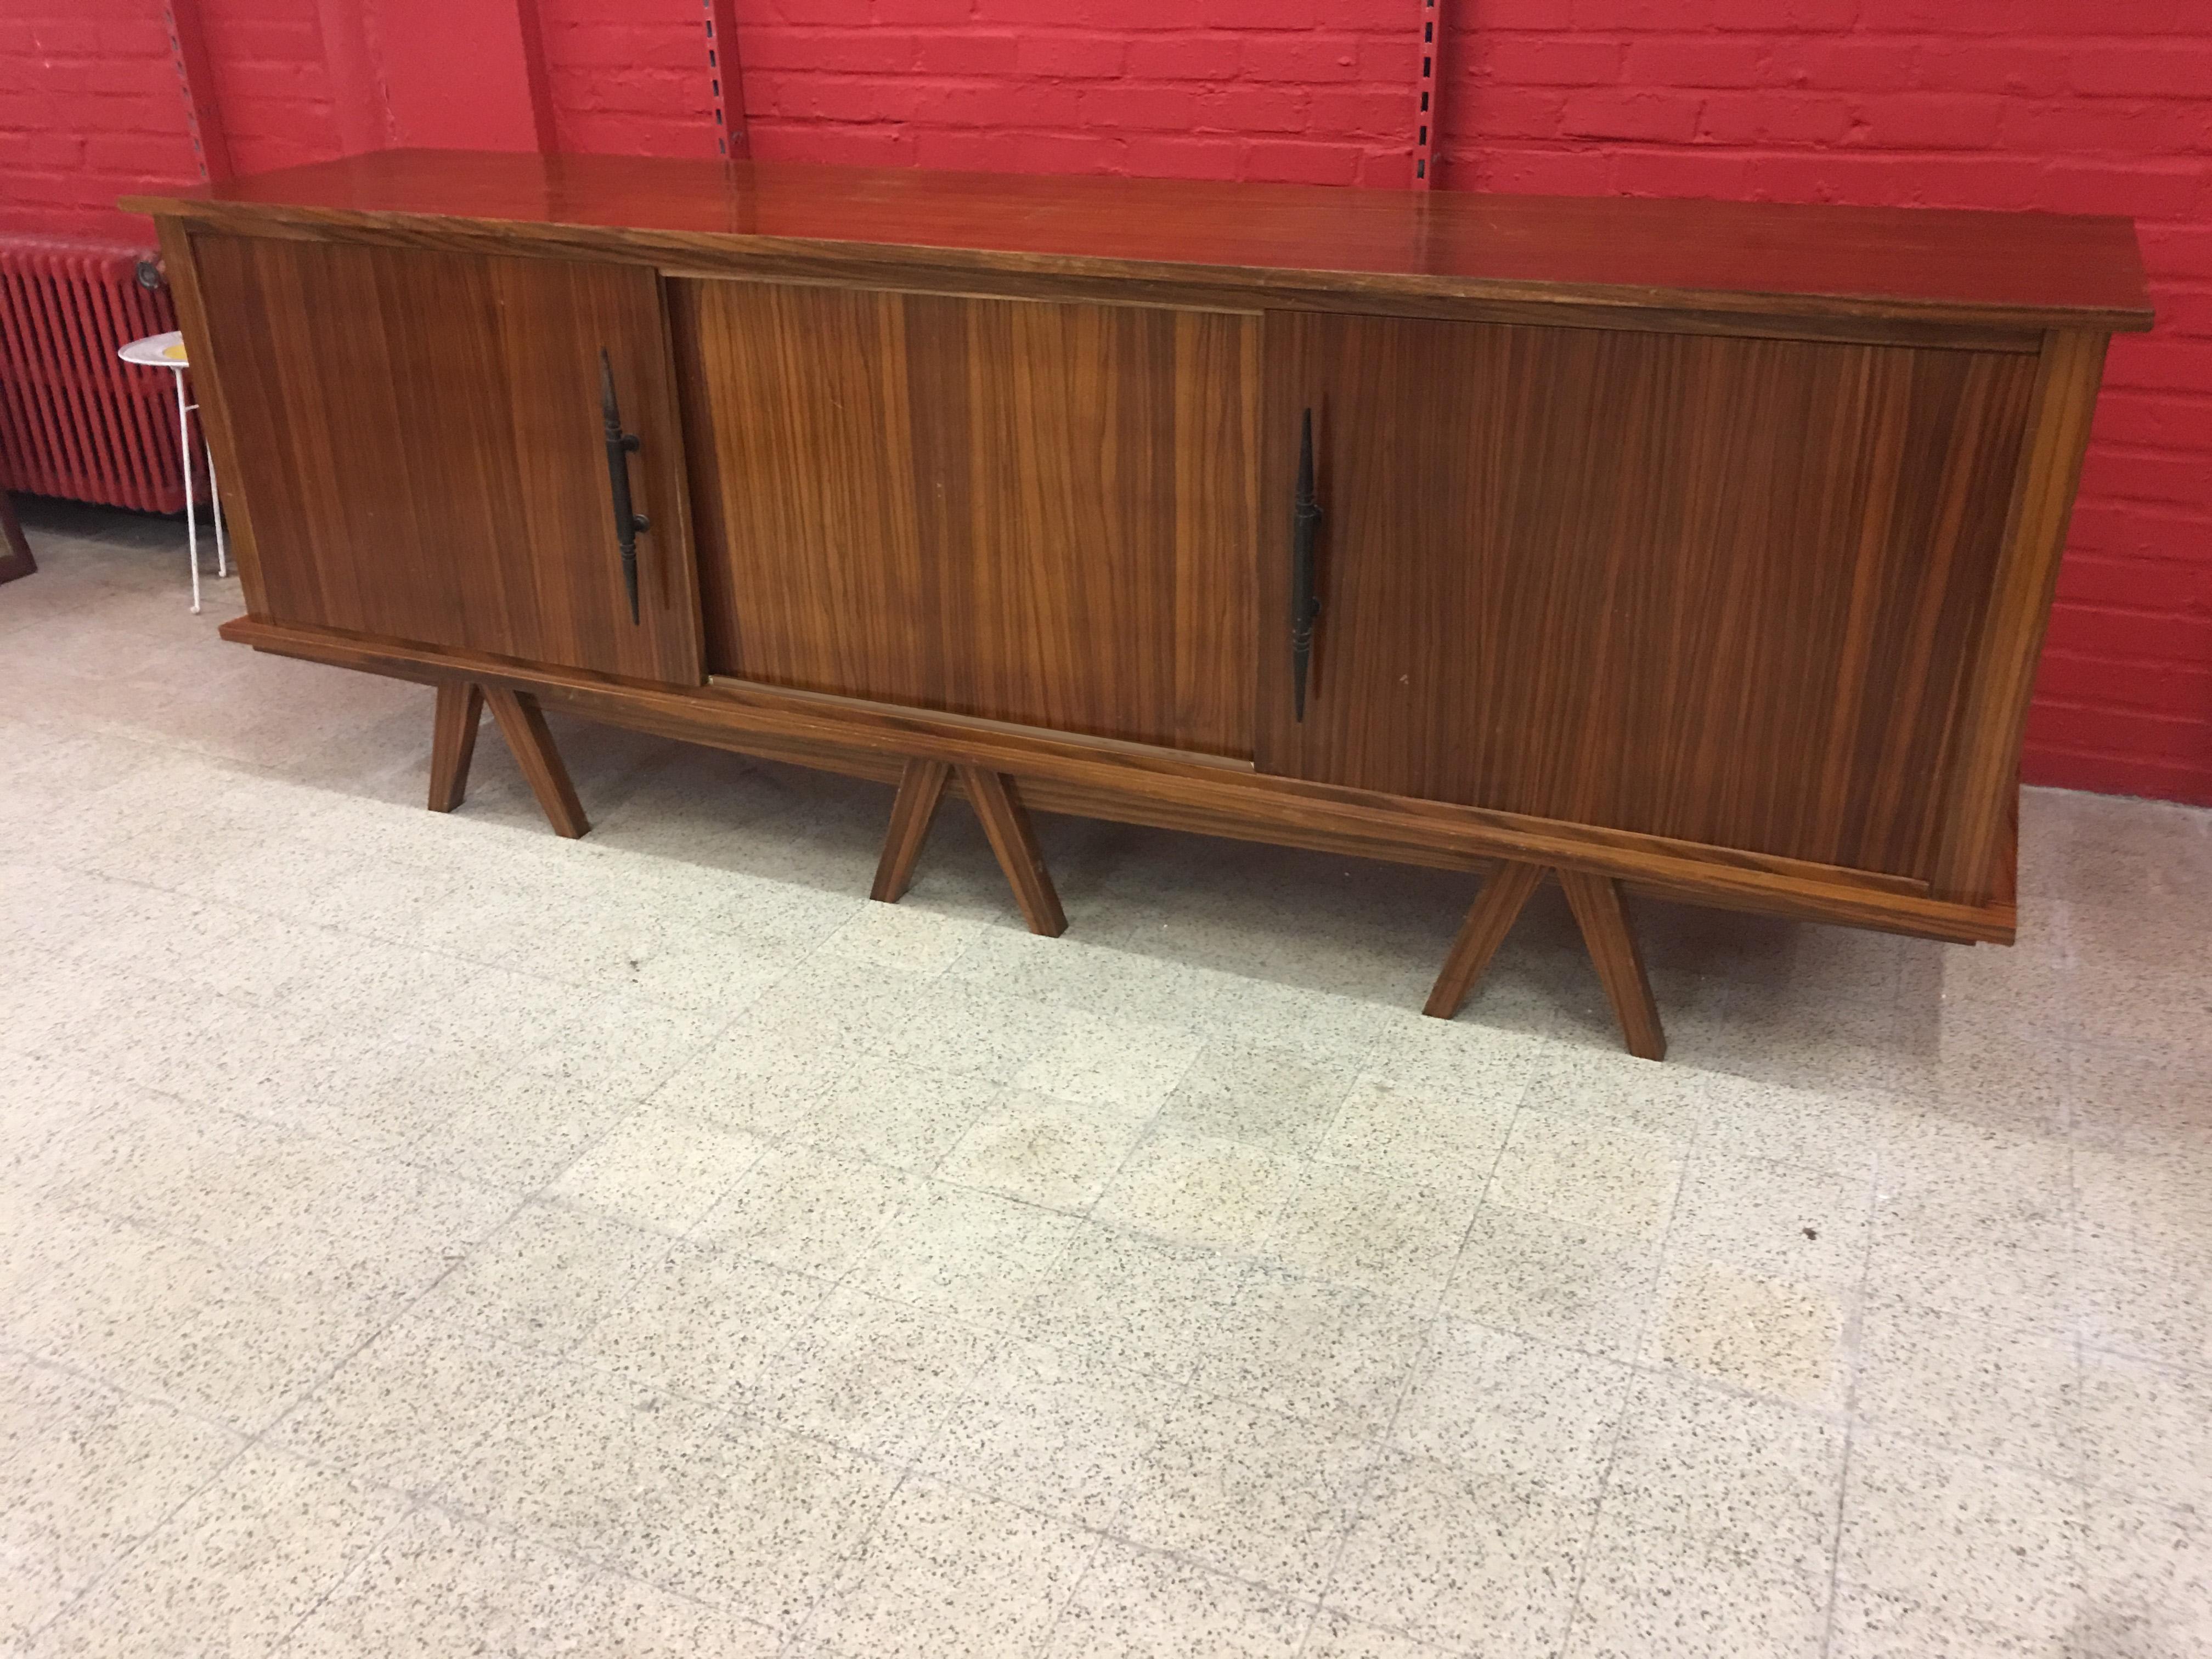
x=1190, y=792
x=1034, y=513
x=453, y=742
x=920, y=791
x=1006, y=824
x=1982, y=797
x=1595, y=901
x=523, y=725
x=1353, y=250
x=418, y=436
x=1719, y=590
x=1489, y=919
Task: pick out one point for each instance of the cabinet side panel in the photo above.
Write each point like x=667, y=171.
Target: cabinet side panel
x=1719, y=590
x=1025, y=510
x=418, y=436
x=1977, y=835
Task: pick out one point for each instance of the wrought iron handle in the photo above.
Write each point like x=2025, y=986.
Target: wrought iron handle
x=620, y=446
x=1305, y=603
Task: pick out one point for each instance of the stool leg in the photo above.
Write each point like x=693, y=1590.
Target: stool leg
x=215, y=506
x=192, y=518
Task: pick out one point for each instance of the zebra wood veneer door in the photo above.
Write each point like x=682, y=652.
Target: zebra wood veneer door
x=1033, y=511
x=1723, y=590
x=424, y=456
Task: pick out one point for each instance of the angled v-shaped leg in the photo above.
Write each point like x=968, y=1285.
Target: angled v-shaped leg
x=921, y=787
x=1595, y=901
x=522, y=723
x=1007, y=822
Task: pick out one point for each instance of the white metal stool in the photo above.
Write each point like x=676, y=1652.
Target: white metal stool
x=167, y=351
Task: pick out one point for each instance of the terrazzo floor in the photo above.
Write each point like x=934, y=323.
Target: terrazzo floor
x=421, y=1235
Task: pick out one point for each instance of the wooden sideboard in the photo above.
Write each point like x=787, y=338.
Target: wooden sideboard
x=1700, y=548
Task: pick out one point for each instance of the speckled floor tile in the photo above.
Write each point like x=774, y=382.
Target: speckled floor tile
x=1588, y=1173
x=1044, y=1150
x=1134, y=1604
x=894, y=1115
x=1201, y=1190
x=2009, y=1394
x=1751, y=1484
x=1420, y=1129
x=235, y=1567
x=871, y=1374
x=438, y=1586
x=1264, y=1094
x=1954, y=1538
x=1333, y=1354
x=1649, y=1596
x=1109, y=1062
x=656, y=1169
x=1468, y=1567
x=1773, y=1336
x=1509, y=1413
x=2146, y=1430
x=1397, y=1234
x=703, y=1322
x=946, y=1571
x=1052, y=1430
x=1775, y=1219
x=545, y=1278
x=648, y=1211
x=807, y=1208
x=176, y=1321
x=976, y=1256
x=1135, y=1302
x=99, y=1471
x=1578, y=1286
x=1247, y=1492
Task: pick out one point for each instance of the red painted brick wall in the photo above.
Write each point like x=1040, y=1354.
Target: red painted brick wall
x=2058, y=105
x=88, y=109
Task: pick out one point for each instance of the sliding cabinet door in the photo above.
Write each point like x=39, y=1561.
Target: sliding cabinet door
x=1025, y=510
x=423, y=456
x=1718, y=589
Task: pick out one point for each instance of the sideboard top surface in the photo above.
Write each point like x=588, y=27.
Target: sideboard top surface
x=2043, y=270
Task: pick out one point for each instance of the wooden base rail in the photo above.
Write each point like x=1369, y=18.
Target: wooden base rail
x=1129, y=784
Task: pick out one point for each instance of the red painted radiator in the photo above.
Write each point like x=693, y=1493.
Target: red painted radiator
x=74, y=420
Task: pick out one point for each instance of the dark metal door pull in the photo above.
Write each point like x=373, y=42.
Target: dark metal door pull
x=620, y=446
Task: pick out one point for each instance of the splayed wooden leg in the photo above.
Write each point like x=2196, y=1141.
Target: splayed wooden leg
x=1007, y=823
x=1597, y=906
x=453, y=742
x=921, y=787
x=523, y=725
x=1489, y=919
